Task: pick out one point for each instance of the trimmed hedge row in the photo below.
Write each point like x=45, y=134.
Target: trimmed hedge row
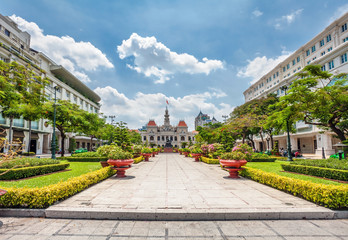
x=330, y=173
x=331, y=196
x=262, y=160
x=325, y=163
x=85, y=159
x=18, y=173
x=210, y=160
x=46, y=196
x=138, y=159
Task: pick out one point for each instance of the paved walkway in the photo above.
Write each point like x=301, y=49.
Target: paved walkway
x=36, y=228
x=172, y=187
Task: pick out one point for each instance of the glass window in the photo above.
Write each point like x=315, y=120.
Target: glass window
x=298, y=59
x=293, y=62
x=328, y=38
x=2, y=119
x=277, y=74
x=18, y=122
x=322, y=43
x=344, y=58
x=288, y=66
x=67, y=94
x=331, y=64
x=322, y=54
x=345, y=40
x=7, y=32
x=284, y=69
x=323, y=68
x=344, y=27
x=329, y=49
x=313, y=49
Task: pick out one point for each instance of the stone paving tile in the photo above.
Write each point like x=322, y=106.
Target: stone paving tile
x=171, y=181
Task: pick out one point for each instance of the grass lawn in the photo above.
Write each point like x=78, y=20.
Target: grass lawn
x=275, y=167
x=77, y=169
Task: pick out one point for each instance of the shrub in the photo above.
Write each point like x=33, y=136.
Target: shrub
x=259, y=157
x=210, y=160
x=46, y=196
x=138, y=159
x=146, y=150
x=19, y=173
x=137, y=148
x=28, y=154
x=85, y=159
x=86, y=154
x=240, y=152
x=326, y=163
x=332, y=196
x=106, y=149
x=119, y=154
x=317, y=171
x=27, y=162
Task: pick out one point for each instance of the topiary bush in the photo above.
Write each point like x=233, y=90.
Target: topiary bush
x=260, y=157
x=326, y=163
x=27, y=162
x=86, y=154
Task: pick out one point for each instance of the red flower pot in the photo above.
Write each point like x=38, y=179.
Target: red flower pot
x=153, y=154
x=146, y=156
x=121, y=165
x=104, y=164
x=186, y=154
x=233, y=166
x=196, y=156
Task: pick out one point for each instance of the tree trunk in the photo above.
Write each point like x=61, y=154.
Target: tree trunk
x=90, y=145
x=272, y=143
x=263, y=146
x=29, y=141
x=339, y=133
x=62, y=143
x=10, y=137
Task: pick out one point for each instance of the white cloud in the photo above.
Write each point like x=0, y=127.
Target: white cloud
x=138, y=110
x=287, y=19
x=260, y=66
x=339, y=12
x=77, y=57
x=257, y=13
x=154, y=59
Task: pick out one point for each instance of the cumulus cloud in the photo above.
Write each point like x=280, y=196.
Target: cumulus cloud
x=260, y=66
x=257, y=13
x=154, y=59
x=287, y=19
x=138, y=110
x=77, y=57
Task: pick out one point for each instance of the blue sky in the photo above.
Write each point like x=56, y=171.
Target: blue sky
x=198, y=55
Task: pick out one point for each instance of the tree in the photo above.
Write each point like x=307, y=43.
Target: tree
x=318, y=98
x=134, y=137
x=69, y=118
x=93, y=125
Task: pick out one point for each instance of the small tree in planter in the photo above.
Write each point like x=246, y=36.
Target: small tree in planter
x=105, y=150
x=186, y=151
x=196, y=153
x=121, y=161
x=233, y=161
x=137, y=150
x=146, y=152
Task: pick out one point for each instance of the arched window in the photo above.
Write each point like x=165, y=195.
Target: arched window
x=152, y=138
x=158, y=138
x=182, y=138
x=144, y=138
x=189, y=138
x=175, y=138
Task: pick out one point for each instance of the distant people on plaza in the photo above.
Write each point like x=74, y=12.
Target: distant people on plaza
x=281, y=151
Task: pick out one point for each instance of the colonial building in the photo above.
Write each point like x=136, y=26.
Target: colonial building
x=15, y=46
x=167, y=135
x=203, y=119
x=328, y=49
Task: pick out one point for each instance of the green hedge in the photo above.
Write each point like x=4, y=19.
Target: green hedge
x=46, y=196
x=210, y=160
x=263, y=160
x=85, y=159
x=325, y=163
x=27, y=162
x=18, y=173
x=138, y=159
x=332, y=196
x=330, y=173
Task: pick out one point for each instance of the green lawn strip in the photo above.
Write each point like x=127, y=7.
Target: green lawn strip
x=275, y=167
x=77, y=169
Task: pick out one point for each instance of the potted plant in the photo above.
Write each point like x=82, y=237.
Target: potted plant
x=153, y=152
x=233, y=161
x=137, y=151
x=121, y=161
x=196, y=153
x=104, y=151
x=186, y=151
x=146, y=152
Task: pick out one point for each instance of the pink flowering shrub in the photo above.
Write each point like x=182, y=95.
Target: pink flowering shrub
x=240, y=152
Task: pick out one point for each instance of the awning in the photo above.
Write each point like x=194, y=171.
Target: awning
x=34, y=136
x=18, y=134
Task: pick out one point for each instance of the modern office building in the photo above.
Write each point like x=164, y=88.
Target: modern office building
x=203, y=119
x=167, y=135
x=328, y=49
x=15, y=46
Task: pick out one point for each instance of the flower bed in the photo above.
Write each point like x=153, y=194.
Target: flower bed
x=18, y=173
x=332, y=196
x=210, y=160
x=46, y=196
x=330, y=173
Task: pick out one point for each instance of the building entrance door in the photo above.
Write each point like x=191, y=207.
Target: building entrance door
x=33, y=146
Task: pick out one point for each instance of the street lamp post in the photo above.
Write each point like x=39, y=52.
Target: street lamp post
x=284, y=88
x=53, y=144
